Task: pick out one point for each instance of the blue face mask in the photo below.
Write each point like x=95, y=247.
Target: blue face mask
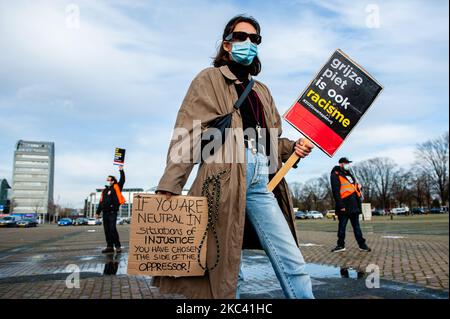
x=244, y=52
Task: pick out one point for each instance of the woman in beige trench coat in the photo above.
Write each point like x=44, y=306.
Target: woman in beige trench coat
x=264, y=220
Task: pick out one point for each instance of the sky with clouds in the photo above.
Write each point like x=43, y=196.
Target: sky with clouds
x=117, y=75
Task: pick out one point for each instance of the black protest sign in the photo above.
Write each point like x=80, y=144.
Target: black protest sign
x=166, y=235
x=119, y=156
x=334, y=102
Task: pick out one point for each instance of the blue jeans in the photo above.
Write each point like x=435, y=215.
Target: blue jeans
x=264, y=213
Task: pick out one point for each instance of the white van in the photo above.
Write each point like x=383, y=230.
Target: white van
x=400, y=210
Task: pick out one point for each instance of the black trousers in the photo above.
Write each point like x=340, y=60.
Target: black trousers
x=110, y=227
x=354, y=220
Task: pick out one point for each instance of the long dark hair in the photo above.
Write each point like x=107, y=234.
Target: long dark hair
x=223, y=57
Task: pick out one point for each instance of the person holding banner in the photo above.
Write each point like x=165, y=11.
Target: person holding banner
x=348, y=198
x=235, y=175
x=110, y=201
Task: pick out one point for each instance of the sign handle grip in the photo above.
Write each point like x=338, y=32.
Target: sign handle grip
x=283, y=171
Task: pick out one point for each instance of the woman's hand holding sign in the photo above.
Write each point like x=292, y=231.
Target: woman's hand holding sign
x=303, y=147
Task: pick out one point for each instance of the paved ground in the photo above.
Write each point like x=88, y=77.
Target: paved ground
x=412, y=254
x=408, y=249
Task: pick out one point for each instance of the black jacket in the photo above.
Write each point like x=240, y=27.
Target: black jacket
x=109, y=201
x=352, y=203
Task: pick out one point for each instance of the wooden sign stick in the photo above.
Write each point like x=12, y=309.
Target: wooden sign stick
x=284, y=169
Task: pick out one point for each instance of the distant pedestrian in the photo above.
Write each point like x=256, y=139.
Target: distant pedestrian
x=348, y=198
x=109, y=204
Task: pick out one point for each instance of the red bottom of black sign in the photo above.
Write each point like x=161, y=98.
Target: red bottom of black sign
x=317, y=131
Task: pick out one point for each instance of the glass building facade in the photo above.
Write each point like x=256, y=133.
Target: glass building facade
x=33, y=178
x=91, y=202
x=4, y=196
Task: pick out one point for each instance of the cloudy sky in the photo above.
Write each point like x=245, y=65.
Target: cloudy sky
x=93, y=75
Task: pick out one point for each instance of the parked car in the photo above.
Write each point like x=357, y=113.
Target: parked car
x=94, y=221
x=27, y=222
x=314, y=215
x=331, y=214
x=399, y=211
x=119, y=221
x=8, y=221
x=437, y=210
x=65, y=222
x=378, y=212
x=417, y=210
x=300, y=215
x=80, y=221
x=127, y=220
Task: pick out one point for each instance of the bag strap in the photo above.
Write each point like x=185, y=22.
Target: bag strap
x=244, y=94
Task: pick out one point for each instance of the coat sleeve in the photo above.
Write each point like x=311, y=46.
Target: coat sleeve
x=336, y=190
x=198, y=107
x=122, y=179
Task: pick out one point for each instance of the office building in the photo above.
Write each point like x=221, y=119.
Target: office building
x=33, y=177
x=4, y=196
x=91, y=202
x=125, y=211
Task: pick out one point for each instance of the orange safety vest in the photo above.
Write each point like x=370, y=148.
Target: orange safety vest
x=118, y=193
x=348, y=188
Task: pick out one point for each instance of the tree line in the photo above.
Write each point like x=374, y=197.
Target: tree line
x=386, y=184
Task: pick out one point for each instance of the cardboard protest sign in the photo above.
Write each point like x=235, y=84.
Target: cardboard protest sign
x=168, y=237
x=119, y=156
x=333, y=103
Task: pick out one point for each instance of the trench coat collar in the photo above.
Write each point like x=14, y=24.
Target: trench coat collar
x=229, y=75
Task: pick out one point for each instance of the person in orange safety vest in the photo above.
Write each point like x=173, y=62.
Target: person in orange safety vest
x=348, y=198
x=110, y=201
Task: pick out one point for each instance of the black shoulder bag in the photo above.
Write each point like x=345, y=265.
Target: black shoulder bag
x=223, y=122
